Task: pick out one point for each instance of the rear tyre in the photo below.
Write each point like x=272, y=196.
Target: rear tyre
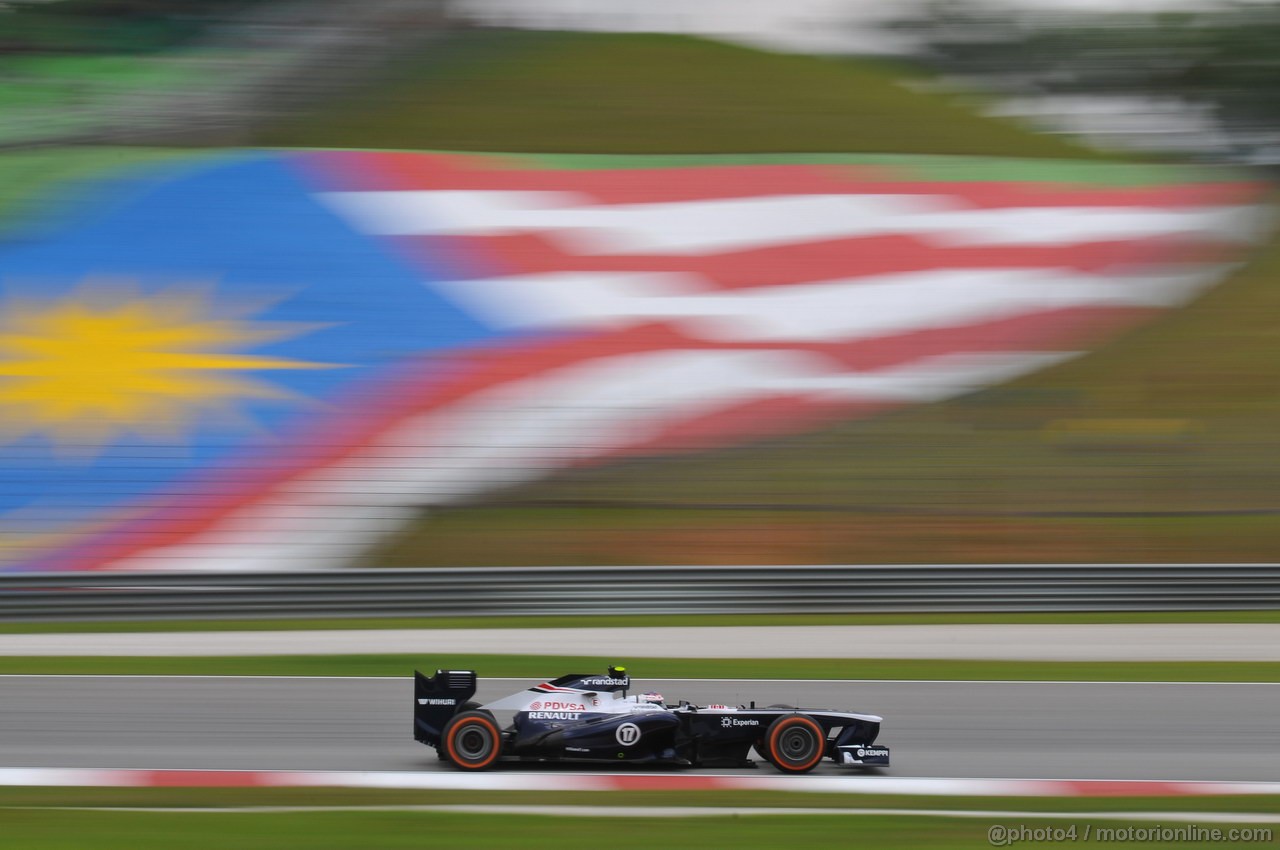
x=466, y=706
x=795, y=743
x=472, y=740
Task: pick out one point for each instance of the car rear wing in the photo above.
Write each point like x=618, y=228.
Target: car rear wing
x=437, y=699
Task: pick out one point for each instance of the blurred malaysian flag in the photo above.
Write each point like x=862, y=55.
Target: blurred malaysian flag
x=268, y=361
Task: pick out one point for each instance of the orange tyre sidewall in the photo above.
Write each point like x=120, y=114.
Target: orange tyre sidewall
x=776, y=732
x=474, y=765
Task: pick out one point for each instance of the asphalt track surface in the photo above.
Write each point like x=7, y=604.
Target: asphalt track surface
x=1059, y=730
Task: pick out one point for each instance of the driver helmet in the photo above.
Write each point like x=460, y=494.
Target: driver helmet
x=656, y=699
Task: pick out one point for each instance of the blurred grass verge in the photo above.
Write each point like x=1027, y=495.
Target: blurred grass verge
x=541, y=666
x=57, y=829
x=237, y=797
x=563, y=92
x=38, y=830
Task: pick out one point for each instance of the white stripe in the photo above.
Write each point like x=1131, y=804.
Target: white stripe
x=837, y=310
x=712, y=226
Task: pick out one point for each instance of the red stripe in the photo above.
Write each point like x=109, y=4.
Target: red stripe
x=392, y=171
x=674, y=782
x=440, y=172
x=206, y=779
x=1122, y=788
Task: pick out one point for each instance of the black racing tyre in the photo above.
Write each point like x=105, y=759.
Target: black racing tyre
x=472, y=740
x=466, y=706
x=795, y=743
x=760, y=744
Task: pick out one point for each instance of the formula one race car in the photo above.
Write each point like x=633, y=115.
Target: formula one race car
x=582, y=717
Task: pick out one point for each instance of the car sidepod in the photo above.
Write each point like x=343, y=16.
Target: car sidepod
x=720, y=739
x=629, y=737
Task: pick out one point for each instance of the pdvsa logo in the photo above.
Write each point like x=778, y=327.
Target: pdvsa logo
x=552, y=705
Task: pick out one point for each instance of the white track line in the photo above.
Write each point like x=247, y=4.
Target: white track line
x=622, y=811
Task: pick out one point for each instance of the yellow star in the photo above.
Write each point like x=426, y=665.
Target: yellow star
x=94, y=366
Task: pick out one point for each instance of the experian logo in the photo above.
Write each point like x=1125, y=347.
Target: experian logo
x=727, y=722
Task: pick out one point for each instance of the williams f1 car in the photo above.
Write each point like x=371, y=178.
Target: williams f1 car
x=592, y=718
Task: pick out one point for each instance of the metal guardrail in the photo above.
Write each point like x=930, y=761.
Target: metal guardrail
x=639, y=590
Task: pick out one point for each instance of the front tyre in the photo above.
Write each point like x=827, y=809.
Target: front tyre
x=795, y=743
x=472, y=740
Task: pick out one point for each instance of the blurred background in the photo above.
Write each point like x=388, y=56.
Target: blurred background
x=388, y=283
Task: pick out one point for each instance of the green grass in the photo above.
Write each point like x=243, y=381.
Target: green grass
x=610, y=93
x=941, y=168
x=640, y=620
x=39, y=830
x=535, y=666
